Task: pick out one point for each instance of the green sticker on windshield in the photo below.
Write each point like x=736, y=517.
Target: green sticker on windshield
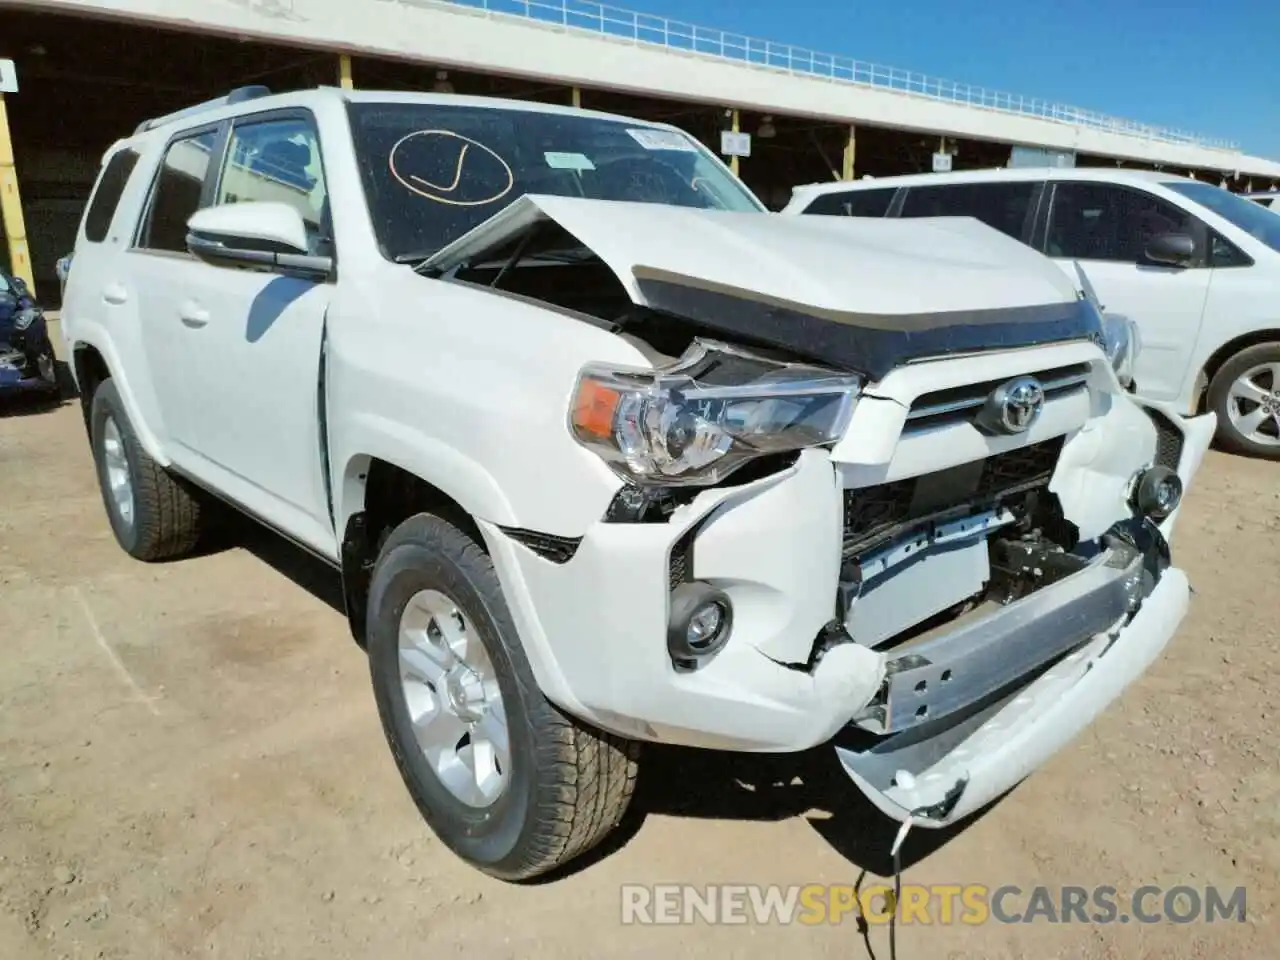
x=569, y=161
x=652, y=139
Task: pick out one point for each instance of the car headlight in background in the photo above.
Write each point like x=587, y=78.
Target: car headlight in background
x=698, y=420
x=1121, y=343
x=27, y=318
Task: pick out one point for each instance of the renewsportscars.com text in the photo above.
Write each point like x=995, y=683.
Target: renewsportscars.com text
x=942, y=904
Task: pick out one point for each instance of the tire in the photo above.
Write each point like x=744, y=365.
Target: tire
x=1250, y=362
x=566, y=786
x=165, y=518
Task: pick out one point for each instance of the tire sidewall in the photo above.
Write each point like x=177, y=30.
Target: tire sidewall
x=106, y=404
x=1220, y=395
x=421, y=555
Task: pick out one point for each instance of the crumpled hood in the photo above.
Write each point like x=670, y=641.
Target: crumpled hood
x=866, y=266
x=861, y=295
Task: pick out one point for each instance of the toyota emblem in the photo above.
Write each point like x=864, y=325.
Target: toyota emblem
x=1013, y=407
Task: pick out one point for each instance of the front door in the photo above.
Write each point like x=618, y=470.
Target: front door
x=1105, y=228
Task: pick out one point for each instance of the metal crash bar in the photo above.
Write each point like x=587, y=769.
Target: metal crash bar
x=944, y=675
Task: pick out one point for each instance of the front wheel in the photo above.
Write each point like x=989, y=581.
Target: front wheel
x=509, y=783
x=1245, y=395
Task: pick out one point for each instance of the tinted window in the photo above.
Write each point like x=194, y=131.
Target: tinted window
x=853, y=203
x=1259, y=222
x=278, y=161
x=107, y=197
x=1224, y=253
x=1005, y=206
x=176, y=194
x=1099, y=221
x=431, y=172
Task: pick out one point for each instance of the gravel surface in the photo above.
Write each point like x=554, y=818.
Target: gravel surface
x=191, y=765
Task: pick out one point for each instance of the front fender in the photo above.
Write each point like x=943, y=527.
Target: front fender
x=428, y=459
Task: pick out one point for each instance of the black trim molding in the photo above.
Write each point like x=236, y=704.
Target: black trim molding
x=869, y=344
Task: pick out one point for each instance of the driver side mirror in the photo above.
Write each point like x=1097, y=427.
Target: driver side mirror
x=262, y=235
x=1171, y=249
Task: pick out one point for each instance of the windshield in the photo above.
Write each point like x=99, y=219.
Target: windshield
x=432, y=172
x=1254, y=219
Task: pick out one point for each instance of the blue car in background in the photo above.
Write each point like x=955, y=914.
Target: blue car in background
x=26, y=352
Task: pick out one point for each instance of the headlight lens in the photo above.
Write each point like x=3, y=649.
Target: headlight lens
x=26, y=318
x=698, y=420
x=1122, y=345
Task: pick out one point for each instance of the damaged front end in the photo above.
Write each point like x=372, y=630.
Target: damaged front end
x=26, y=353
x=894, y=497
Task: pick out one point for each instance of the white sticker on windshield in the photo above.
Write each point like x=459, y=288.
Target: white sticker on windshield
x=652, y=139
x=569, y=161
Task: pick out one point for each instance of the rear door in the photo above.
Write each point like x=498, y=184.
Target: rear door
x=158, y=276
x=1105, y=228
x=1009, y=206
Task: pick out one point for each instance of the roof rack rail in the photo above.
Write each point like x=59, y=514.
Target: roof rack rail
x=238, y=95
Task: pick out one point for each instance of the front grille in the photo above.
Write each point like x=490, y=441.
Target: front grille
x=876, y=515
x=958, y=404
x=1168, y=440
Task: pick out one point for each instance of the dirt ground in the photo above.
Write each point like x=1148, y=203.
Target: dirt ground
x=191, y=765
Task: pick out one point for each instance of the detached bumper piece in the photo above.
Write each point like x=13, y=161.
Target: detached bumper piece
x=964, y=717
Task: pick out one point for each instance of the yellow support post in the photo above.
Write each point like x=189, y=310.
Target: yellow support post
x=577, y=98
x=344, y=72
x=15, y=228
x=733, y=161
x=850, y=153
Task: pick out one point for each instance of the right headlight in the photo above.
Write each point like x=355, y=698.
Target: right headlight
x=1122, y=343
x=715, y=409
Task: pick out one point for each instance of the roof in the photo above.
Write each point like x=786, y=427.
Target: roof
x=1108, y=174
x=258, y=99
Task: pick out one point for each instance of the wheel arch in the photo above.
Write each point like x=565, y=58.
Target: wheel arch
x=1224, y=353
x=93, y=361
x=377, y=494
x=88, y=368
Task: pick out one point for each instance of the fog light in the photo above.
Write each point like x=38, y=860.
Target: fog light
x=1158, y=493
x=701, y=619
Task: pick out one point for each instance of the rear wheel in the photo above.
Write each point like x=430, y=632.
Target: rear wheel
x=509, y=783
x=154, y=515
x=1245, y=395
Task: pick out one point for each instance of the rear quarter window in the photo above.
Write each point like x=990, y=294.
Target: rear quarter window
x=853, y=203
x=1006, y=206
x=106, y=196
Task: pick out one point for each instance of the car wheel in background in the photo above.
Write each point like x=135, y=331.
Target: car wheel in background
x=1245, y=395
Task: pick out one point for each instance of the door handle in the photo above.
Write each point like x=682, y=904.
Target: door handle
x=193, y=315
x=115, y=294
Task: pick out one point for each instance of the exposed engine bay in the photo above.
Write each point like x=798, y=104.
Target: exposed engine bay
x=549, y=265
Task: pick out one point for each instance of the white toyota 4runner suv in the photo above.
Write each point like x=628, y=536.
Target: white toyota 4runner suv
x=607, y=454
